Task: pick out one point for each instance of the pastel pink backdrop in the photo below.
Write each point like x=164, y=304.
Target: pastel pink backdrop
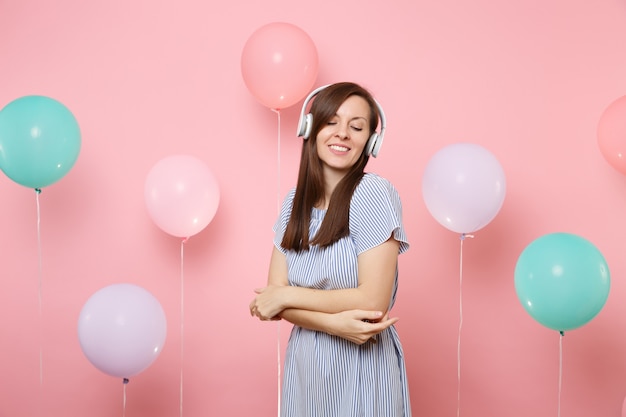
x=528, y=80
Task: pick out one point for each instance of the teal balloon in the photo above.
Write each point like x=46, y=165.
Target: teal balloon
x=39, y=141
x=562, y=280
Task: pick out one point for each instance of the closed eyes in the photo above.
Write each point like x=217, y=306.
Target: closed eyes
x=357, y=128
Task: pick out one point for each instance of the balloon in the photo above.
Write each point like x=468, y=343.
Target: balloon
x=612, y=134
x=562, y=280
x=39, y=141
x=181, y=195
x=463, y=187
x=122, y=329
x=279, y=64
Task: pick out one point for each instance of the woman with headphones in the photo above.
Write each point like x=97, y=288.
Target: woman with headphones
x=334, y=268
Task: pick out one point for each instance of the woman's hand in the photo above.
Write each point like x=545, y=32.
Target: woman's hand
x=269, y=302
x=359, y=326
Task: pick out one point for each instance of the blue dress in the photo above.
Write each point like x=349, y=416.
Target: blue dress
x=325, y=375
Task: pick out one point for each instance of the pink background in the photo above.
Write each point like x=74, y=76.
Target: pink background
x=527, y=79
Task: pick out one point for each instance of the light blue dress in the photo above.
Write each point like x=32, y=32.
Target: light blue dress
x=327, y=376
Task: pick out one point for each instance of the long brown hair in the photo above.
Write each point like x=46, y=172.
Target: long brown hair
x=310, y=185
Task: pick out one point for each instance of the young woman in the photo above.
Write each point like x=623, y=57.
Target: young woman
x=333, y=270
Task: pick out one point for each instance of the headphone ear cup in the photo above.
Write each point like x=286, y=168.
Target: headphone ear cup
x=372, y=146
x=305, y=125
x=309, y=125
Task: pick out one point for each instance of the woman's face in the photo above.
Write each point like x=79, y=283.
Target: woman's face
x=341, y=141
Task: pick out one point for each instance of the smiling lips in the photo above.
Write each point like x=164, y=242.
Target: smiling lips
x=339, y=148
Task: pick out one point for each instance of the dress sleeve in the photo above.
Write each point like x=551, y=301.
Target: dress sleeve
x=283, y=218
x=376, y=214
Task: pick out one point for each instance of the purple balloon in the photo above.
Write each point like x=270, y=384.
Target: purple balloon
x=122, y=329
x=463, y=187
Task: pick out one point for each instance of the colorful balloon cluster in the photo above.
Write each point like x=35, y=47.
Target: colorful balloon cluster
x=122, y=329
x=561, y=279
x=39, y=141
x=279, y=64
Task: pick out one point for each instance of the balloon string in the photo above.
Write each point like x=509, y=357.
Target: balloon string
x=125, y=382
x=458, y=349
x=278, y=162
x=182, y=319
x=40, y=288
x=561, y=334
x=278, y=359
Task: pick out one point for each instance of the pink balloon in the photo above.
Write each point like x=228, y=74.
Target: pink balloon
x=122, y=329
x=463, y=187
x=612, y=134
x=279, y=64
x=181, y=195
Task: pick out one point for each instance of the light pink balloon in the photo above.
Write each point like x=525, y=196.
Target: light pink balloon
x=181, y=195
x=463, y=187
x=279, y=64
x=612, y=134
x=122, y=329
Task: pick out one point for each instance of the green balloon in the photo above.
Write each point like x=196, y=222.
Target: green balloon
x=562, y=280
x=39, y=141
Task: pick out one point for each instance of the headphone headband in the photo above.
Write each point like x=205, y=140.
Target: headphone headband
x=305, y=124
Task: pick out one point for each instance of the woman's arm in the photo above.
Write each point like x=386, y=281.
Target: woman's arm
x=357, y=326
x=277, y=277
x=377, y=269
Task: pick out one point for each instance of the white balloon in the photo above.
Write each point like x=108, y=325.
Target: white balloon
x=122, y=329
x=463, y=187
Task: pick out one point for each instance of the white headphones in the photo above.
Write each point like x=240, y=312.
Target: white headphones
x=305, y=124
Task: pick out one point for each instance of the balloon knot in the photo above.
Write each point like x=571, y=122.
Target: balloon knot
x=185, y=239
x=38, y=190
x=464, y=235
x=125, y=381
x=562, y=333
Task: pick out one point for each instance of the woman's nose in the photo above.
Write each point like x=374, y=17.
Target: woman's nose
x=342, y=131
